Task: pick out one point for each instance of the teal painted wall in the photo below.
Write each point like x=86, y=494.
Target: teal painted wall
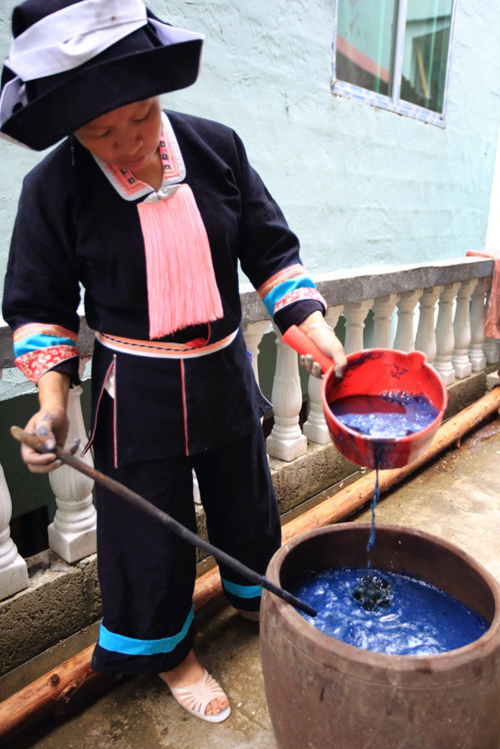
x=359, y=185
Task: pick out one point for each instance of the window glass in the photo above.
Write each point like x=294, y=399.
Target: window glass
x=366, y=36
x=395, y=54
x=425, y=57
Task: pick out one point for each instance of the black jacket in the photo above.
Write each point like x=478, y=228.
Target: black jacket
x=74, y=230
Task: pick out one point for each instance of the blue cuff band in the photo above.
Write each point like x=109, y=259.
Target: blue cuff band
x=37, y=342
x=129, y=646
x=284, y=288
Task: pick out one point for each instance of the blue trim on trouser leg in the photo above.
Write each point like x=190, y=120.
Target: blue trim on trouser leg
x=130, y=646
x=147, y=573
x=242, y=514
x=242, y=591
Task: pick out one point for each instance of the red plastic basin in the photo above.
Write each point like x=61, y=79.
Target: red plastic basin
x=371, y=373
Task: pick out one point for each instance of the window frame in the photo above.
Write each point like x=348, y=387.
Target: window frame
x=393, y=102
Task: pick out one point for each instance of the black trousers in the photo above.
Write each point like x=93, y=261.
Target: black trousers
x=147, y=573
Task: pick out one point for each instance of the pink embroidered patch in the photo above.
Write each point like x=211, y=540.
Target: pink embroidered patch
x=298, y=295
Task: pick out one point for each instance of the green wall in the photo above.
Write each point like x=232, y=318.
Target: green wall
x=359, y=185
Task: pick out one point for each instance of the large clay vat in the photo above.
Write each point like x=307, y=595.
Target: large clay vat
x=325, y=694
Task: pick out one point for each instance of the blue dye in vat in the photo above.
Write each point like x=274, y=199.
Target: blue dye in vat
x=390, y=415
x=417, y=618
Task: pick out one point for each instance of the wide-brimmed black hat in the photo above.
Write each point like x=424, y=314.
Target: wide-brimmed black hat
x=74, y=60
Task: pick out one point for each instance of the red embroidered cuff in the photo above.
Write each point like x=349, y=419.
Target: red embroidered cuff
x=35, y=363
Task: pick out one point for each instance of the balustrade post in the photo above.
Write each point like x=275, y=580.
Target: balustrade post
x=315, y=428
x=286, y=441
x=72, y=535
x=404, y=339
x=355, y=315
x=477, y=320
x=491, y=350
x=425, y=339
x=253, y=333
x=13, y=569
x=445, y=338
x=462, y=330
x=383, y=308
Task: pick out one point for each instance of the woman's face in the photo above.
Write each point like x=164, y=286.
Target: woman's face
x=127, y=137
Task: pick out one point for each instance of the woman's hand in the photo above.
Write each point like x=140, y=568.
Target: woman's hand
x=50, y=424
x=318, y=330
x=51, y=428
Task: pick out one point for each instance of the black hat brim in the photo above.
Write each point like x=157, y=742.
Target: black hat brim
x=93, y=90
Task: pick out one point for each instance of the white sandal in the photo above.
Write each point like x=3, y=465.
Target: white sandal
x=197, y=697
x=250, y=616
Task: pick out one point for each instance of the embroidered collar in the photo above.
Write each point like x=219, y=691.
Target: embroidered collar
x=174, y=170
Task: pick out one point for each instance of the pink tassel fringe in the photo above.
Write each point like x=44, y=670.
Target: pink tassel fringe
x=182, y=289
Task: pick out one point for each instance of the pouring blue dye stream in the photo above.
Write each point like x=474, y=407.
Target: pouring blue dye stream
x=390, y=415
x=376, y=420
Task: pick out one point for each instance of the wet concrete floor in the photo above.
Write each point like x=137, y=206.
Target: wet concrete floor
x=457, y=497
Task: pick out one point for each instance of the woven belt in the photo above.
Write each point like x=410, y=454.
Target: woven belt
x=161, y=350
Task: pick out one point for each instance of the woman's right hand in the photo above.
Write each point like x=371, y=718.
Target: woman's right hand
x=51, y=428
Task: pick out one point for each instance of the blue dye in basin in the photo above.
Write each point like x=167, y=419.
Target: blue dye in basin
x=390, y=415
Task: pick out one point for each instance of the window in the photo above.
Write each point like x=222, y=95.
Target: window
x=395, y=54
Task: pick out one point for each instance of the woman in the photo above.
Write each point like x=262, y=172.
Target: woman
x=150, y=212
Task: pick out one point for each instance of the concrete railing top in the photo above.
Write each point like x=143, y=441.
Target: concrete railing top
x=339, y=287
x=355, y=285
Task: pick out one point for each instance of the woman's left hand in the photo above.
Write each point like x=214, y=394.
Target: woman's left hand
x=318, y=330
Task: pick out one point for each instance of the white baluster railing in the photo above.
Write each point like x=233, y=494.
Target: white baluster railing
x=13, y=568
x=355, y=315
x=404, y=339
x=286, y=440
x=477, y=320
x=72, y=535
x=315, y=428
x=445, y=338
x=491, y=350
x=383, y=308
x=462, y=330
x=425, y=339
x=254, y=333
